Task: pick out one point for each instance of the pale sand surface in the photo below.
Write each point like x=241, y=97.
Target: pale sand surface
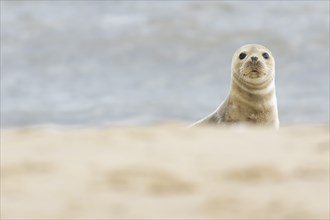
x=165, y=172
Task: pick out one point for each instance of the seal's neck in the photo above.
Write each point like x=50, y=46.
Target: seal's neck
x=263, y=92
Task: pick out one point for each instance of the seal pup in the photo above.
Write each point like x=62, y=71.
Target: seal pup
x=252, y=98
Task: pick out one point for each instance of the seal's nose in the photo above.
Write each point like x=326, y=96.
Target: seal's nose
x=254, y=59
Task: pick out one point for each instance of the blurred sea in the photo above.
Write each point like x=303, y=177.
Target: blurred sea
x=105, y=63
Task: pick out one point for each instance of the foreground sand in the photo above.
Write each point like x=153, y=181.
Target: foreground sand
x=165, y=172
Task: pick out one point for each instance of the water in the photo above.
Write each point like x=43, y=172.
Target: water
x=84, y=63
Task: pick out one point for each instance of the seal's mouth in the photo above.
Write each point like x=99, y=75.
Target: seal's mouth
x=254, y=70
x=254, y=74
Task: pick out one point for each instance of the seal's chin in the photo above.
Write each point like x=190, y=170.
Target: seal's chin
x=254, y=74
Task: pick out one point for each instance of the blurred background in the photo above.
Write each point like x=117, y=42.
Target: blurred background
x=106, y=63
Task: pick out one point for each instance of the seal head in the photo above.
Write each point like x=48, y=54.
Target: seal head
x=253, y=64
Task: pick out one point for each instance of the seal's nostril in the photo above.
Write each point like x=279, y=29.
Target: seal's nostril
x=254, y=58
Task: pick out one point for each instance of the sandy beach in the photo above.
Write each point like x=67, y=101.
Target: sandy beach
x=165, y=172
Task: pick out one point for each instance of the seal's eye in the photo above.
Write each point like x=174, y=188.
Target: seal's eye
x=242, y=56
x=265, y=55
